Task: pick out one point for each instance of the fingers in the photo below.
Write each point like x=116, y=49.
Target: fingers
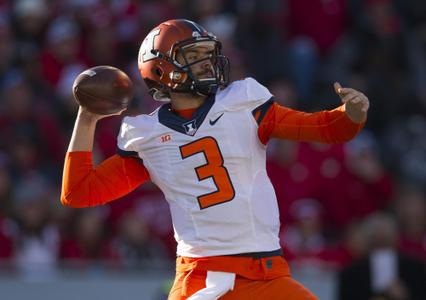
x=341, y=91
x=366, y=106
x=84, y=111
x=344, y=91
x=115, y=114
x=351, y=97
x=347, y=94
x=354, y=97
x=120, y=112
x=337, y=87
x=357, y=99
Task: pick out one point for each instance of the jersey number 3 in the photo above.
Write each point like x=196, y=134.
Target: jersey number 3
x=213, y=168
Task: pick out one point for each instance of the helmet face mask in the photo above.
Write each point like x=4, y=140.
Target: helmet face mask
x=213, y=67
x=180, y=56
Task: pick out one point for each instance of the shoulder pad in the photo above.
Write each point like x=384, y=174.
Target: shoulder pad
x=243, y=94
x=135, y=130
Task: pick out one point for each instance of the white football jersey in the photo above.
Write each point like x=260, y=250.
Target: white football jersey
x=212, y=171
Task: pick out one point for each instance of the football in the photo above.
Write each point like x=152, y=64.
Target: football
x=103, y=90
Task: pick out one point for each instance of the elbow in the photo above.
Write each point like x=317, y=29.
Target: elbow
x=70, y=200
x=65, y=201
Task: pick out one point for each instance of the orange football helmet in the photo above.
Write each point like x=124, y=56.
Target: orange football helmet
x=163, y=73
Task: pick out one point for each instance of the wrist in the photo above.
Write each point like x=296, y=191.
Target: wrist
x=355, y=115
x=87, y=117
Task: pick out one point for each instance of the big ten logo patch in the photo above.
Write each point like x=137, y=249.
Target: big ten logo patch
x=165, y=138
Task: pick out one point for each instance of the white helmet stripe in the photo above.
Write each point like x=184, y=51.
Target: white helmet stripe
x=196, y=26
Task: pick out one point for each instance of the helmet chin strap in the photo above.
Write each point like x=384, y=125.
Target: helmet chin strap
x=197, y=89
x=205, y=89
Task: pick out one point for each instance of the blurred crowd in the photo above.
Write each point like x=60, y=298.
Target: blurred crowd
x=329, y=195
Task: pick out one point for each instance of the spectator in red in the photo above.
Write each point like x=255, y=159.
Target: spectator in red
x=354, y=182
x=292, y=179
x=304, y=238
x=324, y=22
x=349, y=181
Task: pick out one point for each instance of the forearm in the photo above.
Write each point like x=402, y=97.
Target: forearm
x=83, y=133
x=326, y=126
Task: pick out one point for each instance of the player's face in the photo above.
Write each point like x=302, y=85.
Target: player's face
x=200, y=56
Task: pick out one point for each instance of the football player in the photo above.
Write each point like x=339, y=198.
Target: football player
x=205, y=149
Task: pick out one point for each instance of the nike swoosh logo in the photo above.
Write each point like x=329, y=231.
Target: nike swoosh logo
x=215, y=120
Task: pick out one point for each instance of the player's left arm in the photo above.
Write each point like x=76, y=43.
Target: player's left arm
x=333, y=126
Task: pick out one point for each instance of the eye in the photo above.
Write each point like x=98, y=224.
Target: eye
x=192, y=57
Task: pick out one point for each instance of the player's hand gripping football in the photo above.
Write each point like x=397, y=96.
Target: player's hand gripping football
x=87, y=115
x=84, y=129
x=356, y=103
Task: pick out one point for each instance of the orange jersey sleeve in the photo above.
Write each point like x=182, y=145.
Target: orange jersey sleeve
x=332, y=126
x=84, y=186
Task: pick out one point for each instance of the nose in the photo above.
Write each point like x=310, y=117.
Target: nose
x=206, y=65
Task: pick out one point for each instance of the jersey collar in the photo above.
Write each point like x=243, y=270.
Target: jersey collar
x=189, y=127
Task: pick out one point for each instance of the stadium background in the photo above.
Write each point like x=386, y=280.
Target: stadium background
x=336, y=201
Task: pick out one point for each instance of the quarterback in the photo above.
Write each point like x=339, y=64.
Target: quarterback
x=205, y=149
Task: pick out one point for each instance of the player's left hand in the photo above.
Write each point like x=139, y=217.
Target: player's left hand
x=356, y=103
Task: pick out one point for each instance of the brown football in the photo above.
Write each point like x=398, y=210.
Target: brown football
x=103, y=90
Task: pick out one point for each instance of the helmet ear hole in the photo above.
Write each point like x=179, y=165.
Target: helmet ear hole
x=158, y=72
